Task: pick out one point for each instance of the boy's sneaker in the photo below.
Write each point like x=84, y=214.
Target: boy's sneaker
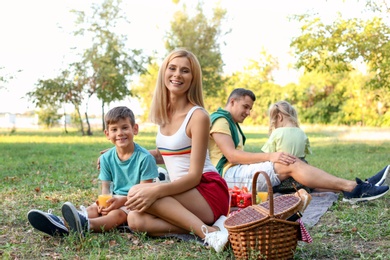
x=77, y=220
x=217, y=239
x=379, y=178
x=364, y=191
x=47, y=222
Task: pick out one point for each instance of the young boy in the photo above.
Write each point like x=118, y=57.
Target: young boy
x=125, y=165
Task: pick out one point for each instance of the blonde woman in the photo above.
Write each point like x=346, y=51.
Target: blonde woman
x=197, y=199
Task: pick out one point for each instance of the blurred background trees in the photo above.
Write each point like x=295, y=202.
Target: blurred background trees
x=344, y=64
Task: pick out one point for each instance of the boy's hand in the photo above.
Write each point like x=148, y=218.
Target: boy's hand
x=115, y=203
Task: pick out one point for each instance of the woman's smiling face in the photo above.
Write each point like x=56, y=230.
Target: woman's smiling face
x=178, y=75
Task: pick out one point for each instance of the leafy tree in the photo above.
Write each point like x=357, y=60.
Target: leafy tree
x=108, y=64
x=337, y=46
x=257, y=76
x=105, y=68
x=201, y=36
x=48, y=116
x=144, y=89
x=53, y=93
x=343, y=46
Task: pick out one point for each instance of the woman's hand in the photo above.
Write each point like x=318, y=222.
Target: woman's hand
x=98, y=160
x=141, y=196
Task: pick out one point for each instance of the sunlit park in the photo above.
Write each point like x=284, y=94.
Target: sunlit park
x=64, y=64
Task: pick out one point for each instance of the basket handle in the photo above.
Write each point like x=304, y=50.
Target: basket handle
x=270, y=191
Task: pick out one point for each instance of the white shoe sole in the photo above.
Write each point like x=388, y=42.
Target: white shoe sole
x=384, y=176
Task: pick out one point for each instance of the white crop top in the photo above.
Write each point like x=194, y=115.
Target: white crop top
x=176, y=150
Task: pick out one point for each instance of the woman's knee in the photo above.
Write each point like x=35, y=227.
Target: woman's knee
x=135, y=222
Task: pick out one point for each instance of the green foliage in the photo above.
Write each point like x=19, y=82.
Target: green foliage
x=108, y=64
x=201, y=35
x=257, y=76
x=48, y=117
x=144, y=89
x=105, y=68
x=338, y=46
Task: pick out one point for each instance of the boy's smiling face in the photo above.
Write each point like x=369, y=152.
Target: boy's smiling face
x=121, y=133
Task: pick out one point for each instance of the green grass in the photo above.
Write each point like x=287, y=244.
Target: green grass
x=43, y=169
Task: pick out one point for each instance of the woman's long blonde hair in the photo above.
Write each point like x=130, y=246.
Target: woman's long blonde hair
x=284, y=108
x=159, y=112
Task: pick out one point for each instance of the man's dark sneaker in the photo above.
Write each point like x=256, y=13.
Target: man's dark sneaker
x=47, y=223
x=379, y=178
x=77, y=220
x=364, y=191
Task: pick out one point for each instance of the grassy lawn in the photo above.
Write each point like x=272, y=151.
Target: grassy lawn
x=44, y=169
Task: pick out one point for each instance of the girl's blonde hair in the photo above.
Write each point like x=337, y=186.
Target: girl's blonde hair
x=287, y=111
x=159, y=112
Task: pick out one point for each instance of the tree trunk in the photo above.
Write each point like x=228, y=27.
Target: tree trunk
x=103, y=123
x=81, y=121
x=66, y=130
x=89, y=132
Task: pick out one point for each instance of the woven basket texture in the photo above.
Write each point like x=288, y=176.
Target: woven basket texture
x=261, y=231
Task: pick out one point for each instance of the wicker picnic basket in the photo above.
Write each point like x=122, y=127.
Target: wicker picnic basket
x=261, y=231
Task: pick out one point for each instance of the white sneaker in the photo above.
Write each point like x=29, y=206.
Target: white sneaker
x=217, y=239
x=219, y=223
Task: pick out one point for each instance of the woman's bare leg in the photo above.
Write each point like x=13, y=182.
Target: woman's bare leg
x=183, y=213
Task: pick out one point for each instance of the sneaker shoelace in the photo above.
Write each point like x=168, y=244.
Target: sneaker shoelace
x=49, y=211
x=211, y=238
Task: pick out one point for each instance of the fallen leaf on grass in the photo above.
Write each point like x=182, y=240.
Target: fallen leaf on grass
x=168, y=242
x=55, y=200
x=136, y=241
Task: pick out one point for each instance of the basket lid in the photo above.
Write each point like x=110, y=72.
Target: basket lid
x=244, y=217
x=282, y=204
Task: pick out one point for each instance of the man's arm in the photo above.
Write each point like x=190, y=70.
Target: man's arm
x=226, y=144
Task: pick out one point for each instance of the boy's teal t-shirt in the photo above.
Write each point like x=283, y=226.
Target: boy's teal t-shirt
x=125, y=174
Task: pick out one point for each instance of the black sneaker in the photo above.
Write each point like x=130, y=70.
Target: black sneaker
x=47, y=223
x=379, y=178
x=77, y=220
x=364, y=191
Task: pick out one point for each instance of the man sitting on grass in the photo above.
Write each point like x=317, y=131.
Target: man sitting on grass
x=226, y=147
